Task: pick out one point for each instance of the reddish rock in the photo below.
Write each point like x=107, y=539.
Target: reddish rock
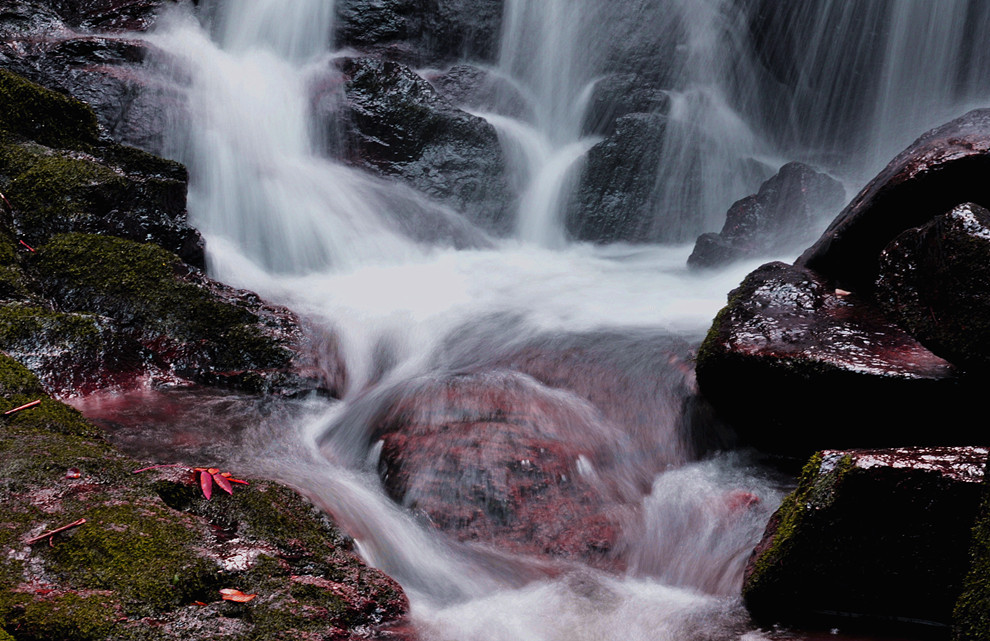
x=943, y=168
x=869, y=537
x=497, y=458
x=797, y=365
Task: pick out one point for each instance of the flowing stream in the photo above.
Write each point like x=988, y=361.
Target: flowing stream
x=332, y=243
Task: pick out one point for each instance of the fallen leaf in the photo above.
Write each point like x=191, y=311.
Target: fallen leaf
x=206, y=483
x=223, y=483
x=230, y=594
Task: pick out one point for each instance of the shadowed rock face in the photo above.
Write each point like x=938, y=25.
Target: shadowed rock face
x=797, y=366
x=399, y=126
x=869, y=536
x=934, y=282
x=782, y=215
x=943, y=168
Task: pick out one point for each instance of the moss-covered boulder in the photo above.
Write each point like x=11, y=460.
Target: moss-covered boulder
x=107, y=311
x=971, y=618
x=869, y=537
x=934, y=280
x=147, y=555
x=796, y=366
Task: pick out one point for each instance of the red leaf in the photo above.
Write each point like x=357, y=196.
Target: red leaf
x=206, y=482
x=230, y=594
x=223, y=483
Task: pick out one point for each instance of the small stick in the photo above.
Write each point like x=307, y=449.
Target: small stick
x=23, y=407
x=50, y=533
x=10, y=207
x=26, y=245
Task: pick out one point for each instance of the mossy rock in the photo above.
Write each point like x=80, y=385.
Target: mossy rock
x=869, y=538
x=51, y=118
x=143, y=287
x=971, y=618
x=149, y=560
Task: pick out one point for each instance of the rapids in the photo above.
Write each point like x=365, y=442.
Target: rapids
x=285, y=219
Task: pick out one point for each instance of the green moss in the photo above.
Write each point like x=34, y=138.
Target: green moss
x=51, y=118
x=69, y=616
x=815, y=491
x=142, y=552
x=25, y=325
x=138, y=284
x=60, y=187
x=971, y=617
x=17, y=379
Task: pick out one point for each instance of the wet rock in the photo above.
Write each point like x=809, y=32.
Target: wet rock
x=619, y=95
x=401, y=127
x=497, y=458
x=614, y=196
x=153, y=554
x=781, y=216
x=796, y=365
x=74, y=47
x=971, y=617
x=59, y=177
x=933, y=281
x=421, y=32
x=137, y=311
x=869, y=537
x=943, y=168
x=475, y=88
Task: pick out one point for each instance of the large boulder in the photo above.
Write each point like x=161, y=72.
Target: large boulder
x=869, y=537
x=796, y=365
x=614, y=199
x=934, y=280
x=971, y=617
x=781, y=216
x=497, y=458
x=943, y=168
x=399, y=126
x=421, y=32
x=91, y=551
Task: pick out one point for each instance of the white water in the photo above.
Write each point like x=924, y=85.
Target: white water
x=323, y=238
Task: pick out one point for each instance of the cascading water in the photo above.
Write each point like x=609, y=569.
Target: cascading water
x=332, y=243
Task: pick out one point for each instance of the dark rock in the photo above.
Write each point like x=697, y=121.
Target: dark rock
x=153, y=554
x=869, y=537
x=782, y=215
x=796, y=365
x=421, y=32
x=127, y=311
x=614, y=197
x=971, y=617
x=934, y=282
x=401, y=127
x=64, y=46
x=943, y=168
x=619, y=95
x=470, y=87
x=497, y=458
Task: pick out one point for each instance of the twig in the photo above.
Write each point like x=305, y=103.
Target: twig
x=23, y=407
x=26, y=245
x=50, y=533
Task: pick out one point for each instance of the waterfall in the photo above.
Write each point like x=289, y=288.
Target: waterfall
x=738, y=87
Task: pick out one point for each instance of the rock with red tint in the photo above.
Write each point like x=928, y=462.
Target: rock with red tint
x=780, y=216
x=869, y=537
x=943, y=168
x=497, y=458
x=796, y=365
x=935, y=282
